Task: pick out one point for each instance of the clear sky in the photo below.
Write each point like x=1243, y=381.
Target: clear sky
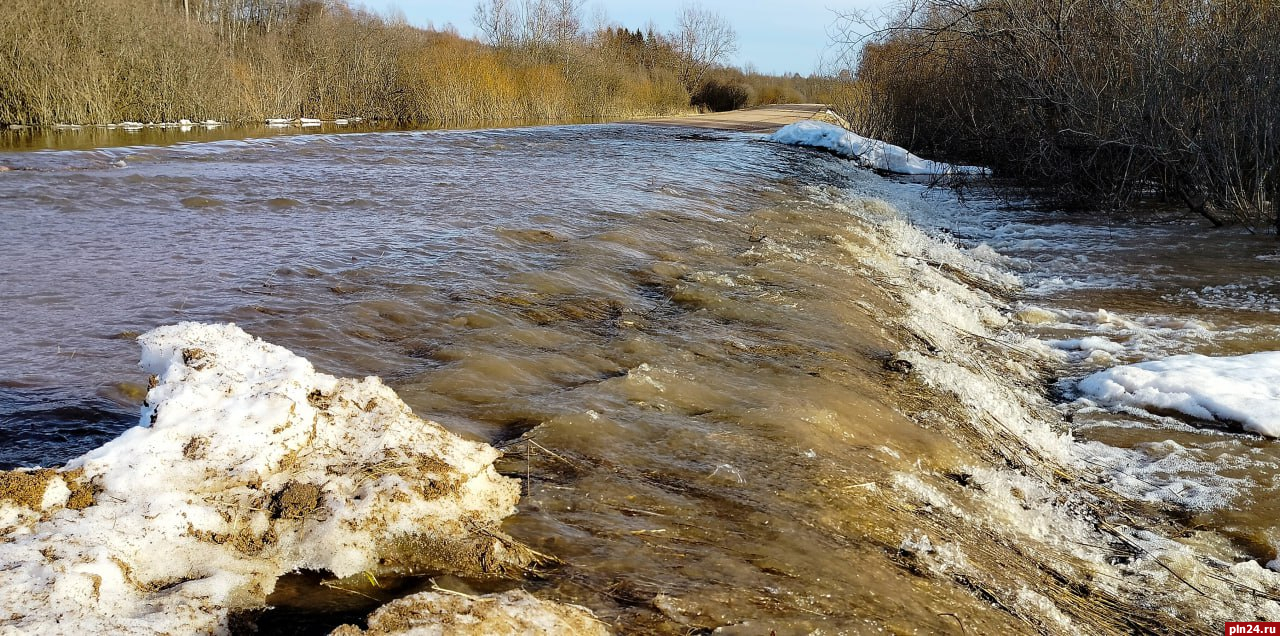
x=777, y=36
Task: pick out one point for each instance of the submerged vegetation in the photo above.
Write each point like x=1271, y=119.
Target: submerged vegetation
x=1102, y=102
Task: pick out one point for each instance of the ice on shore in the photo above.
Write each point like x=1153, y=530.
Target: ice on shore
x=247, y=465
x=870, y=153
x=1239, y=389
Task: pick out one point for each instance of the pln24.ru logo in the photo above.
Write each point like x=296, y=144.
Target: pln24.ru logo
x=1254, y=627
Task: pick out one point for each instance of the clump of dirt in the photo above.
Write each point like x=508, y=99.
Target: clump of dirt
x=492, y=555
x=442, y=486
x=196, y=448
x=25, y=487
x=319, y=400
x=84, y=493
x=245, y=540
x=196, y=358
x=295, y=501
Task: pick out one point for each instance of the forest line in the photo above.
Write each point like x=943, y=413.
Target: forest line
x=104, y=61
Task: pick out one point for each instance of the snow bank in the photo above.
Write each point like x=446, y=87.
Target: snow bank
x=871, y=153
x=515, y=612
x=1242, y=389
x=248, y=465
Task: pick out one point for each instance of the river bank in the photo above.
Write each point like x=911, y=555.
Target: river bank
x=124, y=134
x=738, y=387
x=763, y=119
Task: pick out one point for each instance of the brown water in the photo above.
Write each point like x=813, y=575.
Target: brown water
x=674, y=334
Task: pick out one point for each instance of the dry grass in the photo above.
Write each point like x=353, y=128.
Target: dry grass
x=102, y=61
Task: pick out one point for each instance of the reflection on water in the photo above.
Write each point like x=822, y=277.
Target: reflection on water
x=115, y=136
x=674, y=341
x=90, y=137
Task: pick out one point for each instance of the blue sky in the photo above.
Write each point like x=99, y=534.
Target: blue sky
x=776, y=36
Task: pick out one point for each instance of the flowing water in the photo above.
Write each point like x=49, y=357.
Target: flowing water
x=675, y=335
x=1151, y=283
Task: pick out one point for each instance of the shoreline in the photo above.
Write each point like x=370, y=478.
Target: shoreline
x=312, y=122
x=760, y=119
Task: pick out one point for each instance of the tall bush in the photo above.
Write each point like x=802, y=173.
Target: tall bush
x=1101, y=100
x=103, y=61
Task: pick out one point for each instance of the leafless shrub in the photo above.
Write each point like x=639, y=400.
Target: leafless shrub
x=102, y=61
x=1103, y=101
x=703, y=39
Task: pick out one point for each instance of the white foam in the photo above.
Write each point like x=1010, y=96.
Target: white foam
x=1088, y=343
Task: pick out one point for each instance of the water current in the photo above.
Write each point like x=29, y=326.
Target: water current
x=673, y=334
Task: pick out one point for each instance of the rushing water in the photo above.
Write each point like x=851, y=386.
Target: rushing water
x=1150, y=284
x=665, y=327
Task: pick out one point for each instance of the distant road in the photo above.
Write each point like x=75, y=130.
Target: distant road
x=765, y=119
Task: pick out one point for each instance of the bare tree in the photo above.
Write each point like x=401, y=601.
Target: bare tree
x=497, y=21
x=566, y=21
x=530, y=23
x=703, y=40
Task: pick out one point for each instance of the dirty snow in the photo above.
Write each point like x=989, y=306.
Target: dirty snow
x=871, y=153
x=248, y=464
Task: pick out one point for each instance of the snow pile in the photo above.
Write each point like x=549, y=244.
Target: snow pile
x=248, y=465
x=515, y=612
x=1241, y=389
x=871, y=153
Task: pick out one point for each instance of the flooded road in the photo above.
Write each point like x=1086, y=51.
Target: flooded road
x=740, y=391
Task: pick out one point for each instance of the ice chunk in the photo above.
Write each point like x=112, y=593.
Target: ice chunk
x=871, y=153
x=515, y=612
x=1241, y=389
x=248, y=464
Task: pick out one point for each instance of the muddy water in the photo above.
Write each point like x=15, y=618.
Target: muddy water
x=660, y=324
x=673, y=334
